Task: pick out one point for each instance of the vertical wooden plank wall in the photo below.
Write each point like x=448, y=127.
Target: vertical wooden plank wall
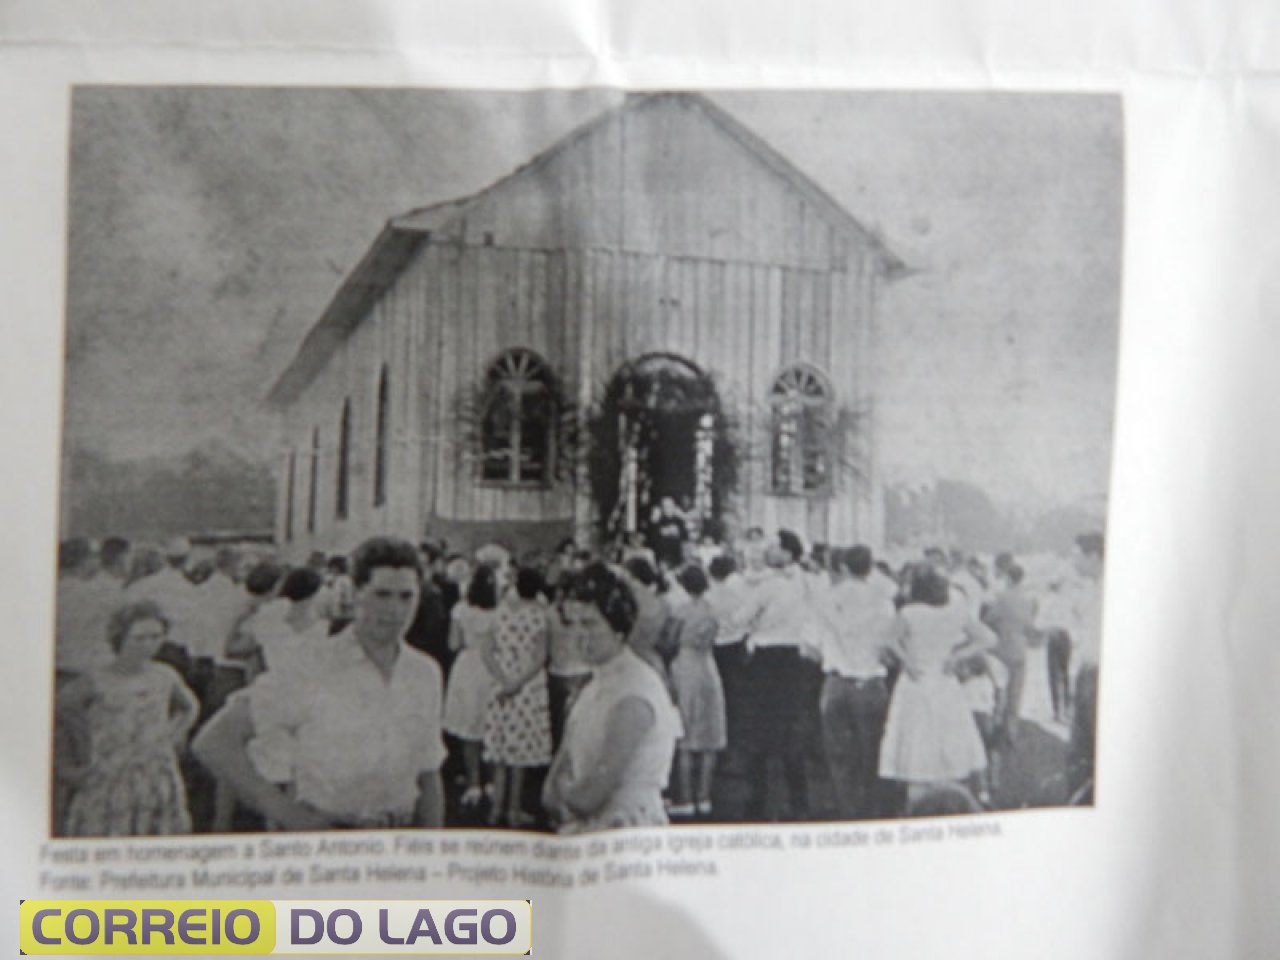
x=579, y=301
x=492, y=300
x=659, y=230
x=586, y=313
x=873, y=519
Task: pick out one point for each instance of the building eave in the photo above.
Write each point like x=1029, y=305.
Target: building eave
x=390, y=253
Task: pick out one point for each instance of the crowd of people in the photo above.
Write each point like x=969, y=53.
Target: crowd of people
x=656, y=680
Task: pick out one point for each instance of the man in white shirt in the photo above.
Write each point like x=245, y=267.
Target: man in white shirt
x=85, y=600
x=219, y=604
x=777, y=680
x=175, y=594
x=855, y=694
x=216, y=606
x=1012, y=615
x=363, y=718
x=728, y=599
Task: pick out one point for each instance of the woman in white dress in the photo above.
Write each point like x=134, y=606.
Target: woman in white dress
x=471, y=684
x=930, y=737
x=621, y=734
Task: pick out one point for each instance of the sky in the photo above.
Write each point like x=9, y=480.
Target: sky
x=209, y=227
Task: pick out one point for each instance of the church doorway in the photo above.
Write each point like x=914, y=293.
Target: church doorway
x=663, y=437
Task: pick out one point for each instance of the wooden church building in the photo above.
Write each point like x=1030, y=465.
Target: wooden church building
x=658, y=305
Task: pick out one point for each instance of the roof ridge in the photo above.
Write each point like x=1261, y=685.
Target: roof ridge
x=403, y=234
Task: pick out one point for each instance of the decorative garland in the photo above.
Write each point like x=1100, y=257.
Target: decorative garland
x=656, y=384
x=659, y=384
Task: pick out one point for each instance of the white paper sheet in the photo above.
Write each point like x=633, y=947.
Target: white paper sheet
x=1179, y=856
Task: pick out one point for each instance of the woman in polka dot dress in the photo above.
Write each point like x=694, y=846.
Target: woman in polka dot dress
x=517, y=733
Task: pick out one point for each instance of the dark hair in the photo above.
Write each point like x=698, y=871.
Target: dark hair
x=200, y=571
x=72, y=553
x=1015, y=573
x=929, y=586
x=113, y=550
x=1092, y=544
x=262, y=579
x=789, y=541
x=1002, y=561
x=693, y=579
x=338, y=564
x=482, y=591
x=857, y=560
x=599, y=586
x=123, y=618
x=722, y=567
x=146, y=561
x=300, y=583
x=642, y=570
x=226, y=559
x=383, y=552
x=568, y=543
x=529, y=583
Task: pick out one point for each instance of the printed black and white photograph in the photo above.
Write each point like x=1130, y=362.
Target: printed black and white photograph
x=570, y=460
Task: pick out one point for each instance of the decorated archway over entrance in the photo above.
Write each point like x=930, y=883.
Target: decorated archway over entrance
x=661, y=432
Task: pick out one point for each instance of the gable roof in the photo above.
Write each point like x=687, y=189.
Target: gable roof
x=402, y=236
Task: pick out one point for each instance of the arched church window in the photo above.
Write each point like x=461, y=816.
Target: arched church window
x=342, y=500
x=313, y=490
x=380, y=441
x=291, y=470
x=518, y=418
x=801, y=400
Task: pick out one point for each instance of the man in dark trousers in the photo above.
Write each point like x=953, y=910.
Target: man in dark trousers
x=1012, y=616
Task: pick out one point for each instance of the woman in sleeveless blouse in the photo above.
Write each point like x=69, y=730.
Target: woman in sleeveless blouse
x=616, y=756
